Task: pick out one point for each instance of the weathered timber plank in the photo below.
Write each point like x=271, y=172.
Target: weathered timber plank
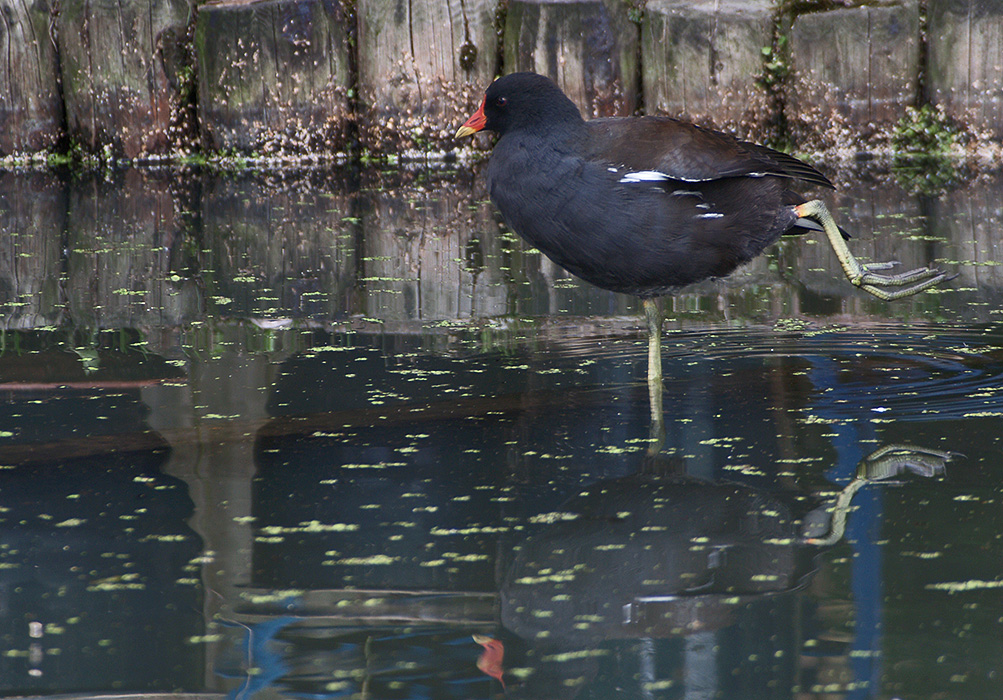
x=273, y=76
x=855, y=70
x=115, y=83
x=702, y=60
x=589, y=48
x=965, y=40
x=31, y=106
x=423, y=68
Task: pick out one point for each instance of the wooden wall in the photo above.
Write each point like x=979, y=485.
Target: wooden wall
x=154, y=79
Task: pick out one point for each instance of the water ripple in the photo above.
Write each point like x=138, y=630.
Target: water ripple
x=921, y=372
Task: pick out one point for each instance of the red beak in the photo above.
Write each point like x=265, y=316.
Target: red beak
x=474, y=124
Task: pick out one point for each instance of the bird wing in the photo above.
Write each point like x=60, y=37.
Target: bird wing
x=660, y=148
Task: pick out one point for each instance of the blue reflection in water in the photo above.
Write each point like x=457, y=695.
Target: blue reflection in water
x=863, y=533
x=262, y=661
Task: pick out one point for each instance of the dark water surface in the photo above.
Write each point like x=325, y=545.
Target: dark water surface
x=305, y=434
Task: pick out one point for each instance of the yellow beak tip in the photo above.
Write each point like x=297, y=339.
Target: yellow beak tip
x=465, y=131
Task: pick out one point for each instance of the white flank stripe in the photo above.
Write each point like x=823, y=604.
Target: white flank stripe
x=710, y=215
x=644, y=176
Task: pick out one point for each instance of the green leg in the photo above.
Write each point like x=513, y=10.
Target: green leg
x=864, y=276
x=653, y=316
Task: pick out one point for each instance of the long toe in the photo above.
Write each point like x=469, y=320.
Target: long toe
x=880, y=265
x=900, y=279
x=924, y=281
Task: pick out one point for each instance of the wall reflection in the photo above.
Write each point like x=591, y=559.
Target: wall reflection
x=151, y=249
x=338, y=423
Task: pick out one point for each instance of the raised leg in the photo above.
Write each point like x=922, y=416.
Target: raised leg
x=886, y=287
x=653, y=316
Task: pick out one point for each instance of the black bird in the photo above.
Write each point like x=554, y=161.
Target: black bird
x=645, y=205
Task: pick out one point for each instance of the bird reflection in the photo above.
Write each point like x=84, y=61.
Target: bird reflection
x=691, y=587
x=661, y=555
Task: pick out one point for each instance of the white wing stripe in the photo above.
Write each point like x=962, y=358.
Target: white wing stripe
x=645, y=176
x=656, y=176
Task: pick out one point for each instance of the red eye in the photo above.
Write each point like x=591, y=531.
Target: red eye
x=501, y=101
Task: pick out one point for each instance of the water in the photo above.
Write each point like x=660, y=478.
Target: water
x=305, y=434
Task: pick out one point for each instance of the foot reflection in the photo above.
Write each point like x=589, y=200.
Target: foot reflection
x=881, y=465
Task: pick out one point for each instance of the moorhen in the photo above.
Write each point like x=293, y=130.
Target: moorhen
x=645, y=205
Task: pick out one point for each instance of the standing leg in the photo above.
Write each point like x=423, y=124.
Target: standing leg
x=653, y=316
